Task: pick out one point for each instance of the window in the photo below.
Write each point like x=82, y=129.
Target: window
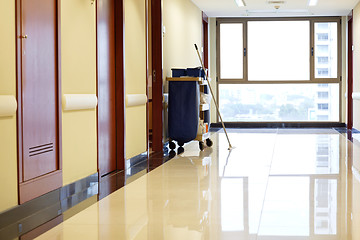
x=231, y=51
x=277, y=102
x=323, y=60
x=323, y=36
x=279, y=69
x=322, y=117
x=322, y=71
x=323, y=26
x=323, y=95
x=323, y=106
x=322, y=49
x=328, y=49
x=270, y=46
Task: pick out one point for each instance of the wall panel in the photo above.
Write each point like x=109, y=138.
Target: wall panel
x=8, y=147
x=78, y=73
x=135, y=75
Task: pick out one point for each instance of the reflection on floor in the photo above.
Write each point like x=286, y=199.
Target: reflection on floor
x=278, y=184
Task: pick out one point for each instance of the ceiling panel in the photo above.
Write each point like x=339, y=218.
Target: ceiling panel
x=261, y=8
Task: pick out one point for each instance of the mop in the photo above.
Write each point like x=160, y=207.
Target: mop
x=213, y=97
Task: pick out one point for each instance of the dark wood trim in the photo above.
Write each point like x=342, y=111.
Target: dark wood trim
x=157, y=84
x=120, y=82
x=147, y=74
x=205, y=21
x=350, y=75
x=29, y=190
x=59, y=97
x=39, y=186
x=97, y=87
x=18, y=92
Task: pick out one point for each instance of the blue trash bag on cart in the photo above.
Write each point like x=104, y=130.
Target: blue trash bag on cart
x=184, y=100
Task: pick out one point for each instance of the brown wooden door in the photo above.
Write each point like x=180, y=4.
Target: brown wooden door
x=39, y=87
x=205, y=40
x=157, y=78
x=106, y=87
x=350, y=74
x=39, y=109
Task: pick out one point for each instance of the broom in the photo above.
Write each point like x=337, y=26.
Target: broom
x=213, y=97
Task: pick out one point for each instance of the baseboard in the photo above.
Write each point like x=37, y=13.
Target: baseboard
x=131, y=162
x=354, y=130
x=24, y=218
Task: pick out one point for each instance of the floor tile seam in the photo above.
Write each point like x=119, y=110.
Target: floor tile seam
x=267, y=183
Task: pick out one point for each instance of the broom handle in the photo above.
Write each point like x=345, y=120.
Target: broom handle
x=212, y=94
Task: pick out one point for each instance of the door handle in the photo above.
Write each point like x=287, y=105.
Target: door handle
x=25, y=36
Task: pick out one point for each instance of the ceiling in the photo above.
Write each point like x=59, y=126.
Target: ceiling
x=262, y=8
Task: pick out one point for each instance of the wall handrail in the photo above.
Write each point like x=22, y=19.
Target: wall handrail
x=8, y=105
x=73, y=102
x=356, y=95
x=133, y=100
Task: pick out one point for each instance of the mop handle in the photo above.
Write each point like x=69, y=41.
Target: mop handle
x=212, y=94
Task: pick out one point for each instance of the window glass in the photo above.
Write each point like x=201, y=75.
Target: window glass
x=325, y=49
x=231, y=51
x=323, y=95
x=279, y=102
x=278, y=50
x=323, y=59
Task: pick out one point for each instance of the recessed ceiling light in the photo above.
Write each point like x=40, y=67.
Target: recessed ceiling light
x=240, y=3
x=312, y=2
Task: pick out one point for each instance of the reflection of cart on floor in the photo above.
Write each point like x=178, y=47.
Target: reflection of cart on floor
x=189, y=108
x=196, y=186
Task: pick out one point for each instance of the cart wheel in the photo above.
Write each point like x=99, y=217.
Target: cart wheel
x=172, y=154
x=180, y=150
x=209, y=143
x=201, y=145
x=181, y=144
x=172, y=145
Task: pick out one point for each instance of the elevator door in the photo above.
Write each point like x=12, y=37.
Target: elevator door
x=39, y=87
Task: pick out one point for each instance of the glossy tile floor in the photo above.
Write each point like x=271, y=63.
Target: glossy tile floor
x=276, y=184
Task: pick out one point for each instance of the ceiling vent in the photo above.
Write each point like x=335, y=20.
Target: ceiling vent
x=275, y=2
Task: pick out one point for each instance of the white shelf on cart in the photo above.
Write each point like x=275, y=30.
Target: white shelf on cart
x=203, y=137
x=204, y=107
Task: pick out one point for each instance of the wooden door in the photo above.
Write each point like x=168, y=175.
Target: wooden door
x=38, y=97
x=205, y=22
x=106, y=87
x=157, y=75
x=350, y=74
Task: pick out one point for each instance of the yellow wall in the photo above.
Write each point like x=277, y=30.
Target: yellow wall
x=78, y=76
x=183, y=28
x=356, y=37
x=8, y=148
x=135, y=75
x=212, y=66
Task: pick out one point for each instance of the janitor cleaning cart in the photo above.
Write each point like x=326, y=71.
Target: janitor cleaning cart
x=189, y=108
